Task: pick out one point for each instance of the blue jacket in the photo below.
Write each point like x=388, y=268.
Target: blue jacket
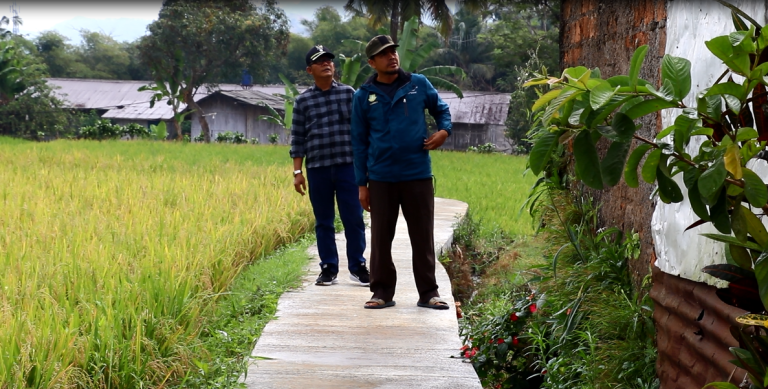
x=388, y=136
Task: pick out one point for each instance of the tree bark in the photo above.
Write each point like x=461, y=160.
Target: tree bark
x=394, y=20
x=201, y=118
x=177, y=126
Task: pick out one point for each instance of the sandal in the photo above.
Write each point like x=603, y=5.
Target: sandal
x=379, y=304
x=434, y=303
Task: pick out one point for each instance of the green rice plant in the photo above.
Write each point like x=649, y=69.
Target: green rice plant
x=115, y=253
x=493, y=185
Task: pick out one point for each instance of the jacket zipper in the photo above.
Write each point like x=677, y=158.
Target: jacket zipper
x=405, y=103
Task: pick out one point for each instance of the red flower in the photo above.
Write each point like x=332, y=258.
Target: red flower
x=568, y=312
x=467, y=354
x=464, y=347
x=498, y=386
x=500, y=341
x=514, y=340
x=513, y=317
x=533, y=308
x=544, y=372
x=490, y=341
x=474, y=351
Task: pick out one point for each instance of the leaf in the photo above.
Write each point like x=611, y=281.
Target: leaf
x=727, y=88
x=440, y=83
x=613, y=163
x=649, y=106
x=623, y=126
x=755, y=227
x=649, y=168
x=754, y=189
x=752, y=319
x=738, y=23
x=545, y=99
x=740, y=256
x=636, y=63
x=713, y=178
x=669, y=192
x=697, y=204
x=542, y=150
x=732, y=161
x=719, y=214
x=630, y=170
x=732, y=241
x=739, y=223
x=601, y=94
x=746, y=133
x=761, y=272
x=665, y=132
x=720, y=385
x=419, y=55
x=728, y=272
x=587, y=161
x=677, y=71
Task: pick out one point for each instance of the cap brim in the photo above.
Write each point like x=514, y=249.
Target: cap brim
x=322, y=54
x=382, y=49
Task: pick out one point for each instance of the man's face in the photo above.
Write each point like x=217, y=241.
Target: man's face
x=386, y=61
x=321, y=67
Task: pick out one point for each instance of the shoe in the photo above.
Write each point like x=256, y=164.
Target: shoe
x=361, y=276
x=326, y=279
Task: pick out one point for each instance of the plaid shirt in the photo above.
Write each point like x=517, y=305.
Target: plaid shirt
x=321, y=126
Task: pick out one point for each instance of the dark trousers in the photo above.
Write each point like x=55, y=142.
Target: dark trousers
x=326, y=183
x=418, y=204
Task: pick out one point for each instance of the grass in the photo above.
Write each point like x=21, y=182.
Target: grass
x=114, y=254
x=492, y=184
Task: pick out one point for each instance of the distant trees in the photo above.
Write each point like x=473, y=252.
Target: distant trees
x=203, y=42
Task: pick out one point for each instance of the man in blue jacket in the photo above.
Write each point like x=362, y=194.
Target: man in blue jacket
x=391, y=147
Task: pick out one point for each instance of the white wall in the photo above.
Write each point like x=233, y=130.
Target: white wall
x=689, y=25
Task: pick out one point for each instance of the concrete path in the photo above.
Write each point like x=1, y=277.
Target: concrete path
x=323, y=338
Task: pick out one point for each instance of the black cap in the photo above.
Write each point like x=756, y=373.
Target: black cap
x=317, y=52
x=377, y=44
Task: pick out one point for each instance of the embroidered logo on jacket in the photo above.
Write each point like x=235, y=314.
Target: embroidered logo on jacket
x=372, y=99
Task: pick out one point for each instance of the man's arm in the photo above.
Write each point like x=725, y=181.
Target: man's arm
x=298, y=139
x=442, y=114
x=360, y=141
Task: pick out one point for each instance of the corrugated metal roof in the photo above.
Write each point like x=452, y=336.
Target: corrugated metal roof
x=122, y=100
x=253, y=97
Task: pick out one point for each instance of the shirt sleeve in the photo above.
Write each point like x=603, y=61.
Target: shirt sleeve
x=298, y=130
x=438, y=108
x=360, y=141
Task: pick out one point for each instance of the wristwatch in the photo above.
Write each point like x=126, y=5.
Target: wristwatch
x=296, y=172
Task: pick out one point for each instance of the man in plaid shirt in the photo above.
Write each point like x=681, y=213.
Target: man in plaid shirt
x=321, y=134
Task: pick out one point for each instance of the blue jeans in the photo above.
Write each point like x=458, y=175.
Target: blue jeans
x=337, y=181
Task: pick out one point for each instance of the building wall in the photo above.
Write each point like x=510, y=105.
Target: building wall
x=465, y=135
x=226, y=114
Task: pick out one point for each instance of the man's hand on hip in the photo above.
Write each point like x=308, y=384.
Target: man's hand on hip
x=365, y=199
x=436, y=140
x=300, y=184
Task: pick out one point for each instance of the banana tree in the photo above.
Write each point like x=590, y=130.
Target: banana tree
x=581, y=108
x=353, y=69
x=412, y=56
x=11, y=73
x=167, y=87
x=285, y=121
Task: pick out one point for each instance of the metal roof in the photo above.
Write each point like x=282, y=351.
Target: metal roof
x=253, y=97
x=122, y=100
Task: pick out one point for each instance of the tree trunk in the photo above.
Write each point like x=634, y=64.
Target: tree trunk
x=394, y=20
x=201, y=118
x=177, y=126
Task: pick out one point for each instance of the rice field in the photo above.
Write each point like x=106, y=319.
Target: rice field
x=492, y=184
x=113, y=253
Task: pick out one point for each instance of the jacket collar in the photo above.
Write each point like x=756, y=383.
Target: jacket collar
x=400, y=73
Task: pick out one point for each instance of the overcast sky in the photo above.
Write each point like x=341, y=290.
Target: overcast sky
x=124, y=20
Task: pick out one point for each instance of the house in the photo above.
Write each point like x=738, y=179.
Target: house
x=478, y=118
x=238, y=111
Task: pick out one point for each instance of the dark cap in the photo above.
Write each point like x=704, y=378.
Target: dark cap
x=377, y=44
x=317, y=52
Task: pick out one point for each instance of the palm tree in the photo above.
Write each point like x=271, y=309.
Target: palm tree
x=4, y=22
x=399, y=11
